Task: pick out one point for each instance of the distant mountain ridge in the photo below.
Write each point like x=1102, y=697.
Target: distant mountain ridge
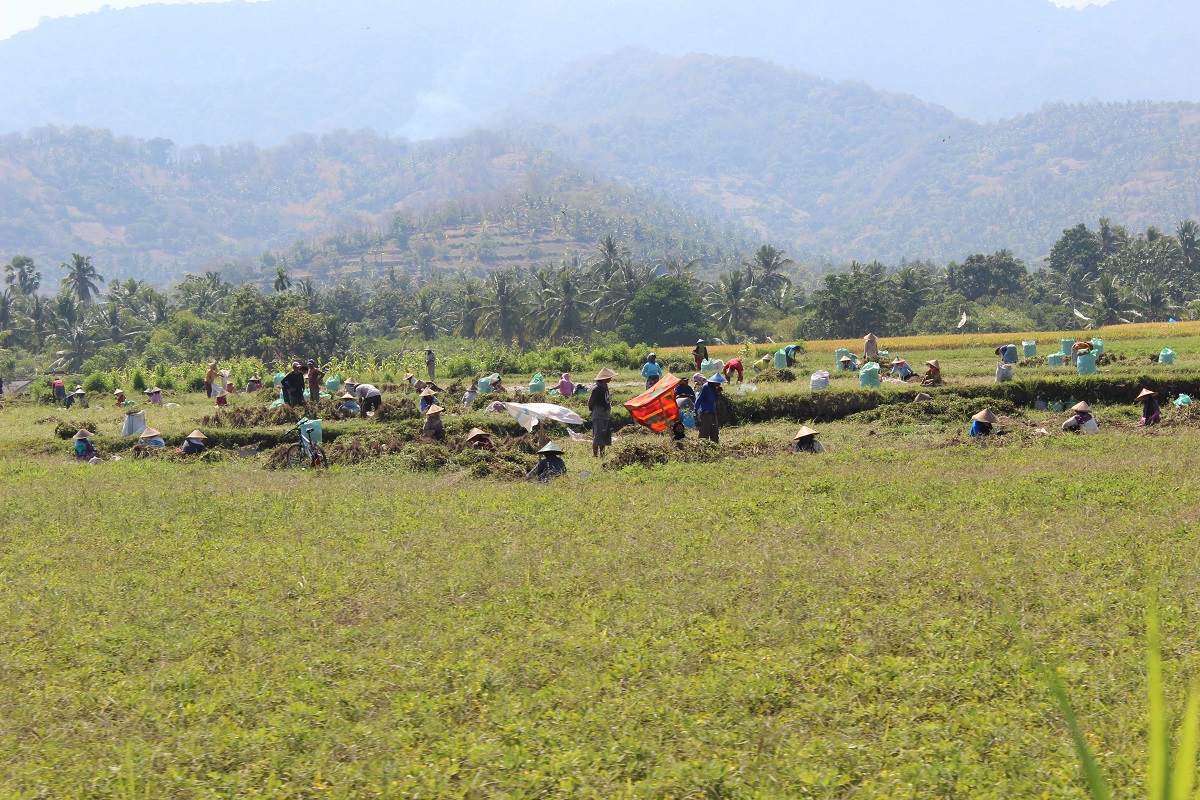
x=222, y=73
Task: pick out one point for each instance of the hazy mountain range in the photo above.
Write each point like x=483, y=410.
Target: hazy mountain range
x=228, y=72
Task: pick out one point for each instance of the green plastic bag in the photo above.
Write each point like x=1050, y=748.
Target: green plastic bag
x=537, y=384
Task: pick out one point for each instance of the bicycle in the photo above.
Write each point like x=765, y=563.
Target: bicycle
x=306, y=450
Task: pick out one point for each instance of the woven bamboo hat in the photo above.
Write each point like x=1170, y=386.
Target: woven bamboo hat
x=196, y=434
x=1142, y=395
x=149, y=433
x=845, y=359
x=434, y=409
x=605, y=374
x=476, y=433
x=118, y=392
x=84, y=433
x=551, y=448
x=986, y=416
x=870, y=337
x=427, y=392
x=933, y=363
x=804, y=431
x=1082, y=406
x=922, y=397
x=346, y=396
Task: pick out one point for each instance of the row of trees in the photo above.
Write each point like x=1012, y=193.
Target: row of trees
x=1091, y=277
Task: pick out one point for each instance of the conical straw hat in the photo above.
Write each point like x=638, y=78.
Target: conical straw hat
x=922, y=397
x=84, y=433
x=1146, y=393
x=149, y=433
x=606, y=374
x=933, y=363
x=476, y=433
x=196, y=434
x=434, y=409
x=804, y=431
x=986, y=416
x=1082, y=406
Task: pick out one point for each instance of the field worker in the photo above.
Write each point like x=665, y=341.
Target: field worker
x=348, y=408
x=550, y=465
x=1079, y=348
x=684, y=391
x=254, y=384
x=430, y=363
x=1004, y=350
x=194, y=444
x=565, y=386
x=470, y=394
x=79, y=398
x=222, y=395
x=121, y=399
x=410, y=379
x=706, y=408
x=369, y=397
x=849, y=363
x=228, y=384
x=870, y=348
x=84, y=449
x=678, y=431
x=934, y=376
x=496, y=386
x=480, y=439
x=151, y=438
x=315, y=375
x=731, y=366
x=789, y=353
x=60, y=390
x=210, y=378
x=981, y=423
x=428, y=398
x=922, y=397
x=1082, y=421
x=350, y=385
x=433, y=427
x=651, y=371
x=292, y=386
x=806, y=441
x=600, y=406
x=700, y=352
x=763, y=363
x=1151, y=413
x=901, y=369
x=155, y=396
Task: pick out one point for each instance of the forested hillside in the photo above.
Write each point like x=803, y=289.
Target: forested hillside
x=846, y=170
x=355, y=202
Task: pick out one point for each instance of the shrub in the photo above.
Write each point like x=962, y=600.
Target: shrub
x=138, y=381
x=97, y=383
x=460, y=366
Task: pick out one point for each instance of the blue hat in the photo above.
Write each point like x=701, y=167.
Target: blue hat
x=718, y=378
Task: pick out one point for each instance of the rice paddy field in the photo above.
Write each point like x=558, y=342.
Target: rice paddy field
x=709, y=622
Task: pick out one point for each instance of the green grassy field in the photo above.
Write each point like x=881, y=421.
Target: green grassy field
x=775, y=626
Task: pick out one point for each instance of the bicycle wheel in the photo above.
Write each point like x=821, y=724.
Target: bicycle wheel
x=319, y=459
x=296, y=457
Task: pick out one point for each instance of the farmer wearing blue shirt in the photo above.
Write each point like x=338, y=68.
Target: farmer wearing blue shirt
x=706, y=407
x=651, y=371
x=981, y=423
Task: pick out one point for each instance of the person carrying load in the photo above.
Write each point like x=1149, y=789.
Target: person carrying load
x=700, y=353
x=870, y=348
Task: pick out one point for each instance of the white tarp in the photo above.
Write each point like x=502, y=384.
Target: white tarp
x=527, y=415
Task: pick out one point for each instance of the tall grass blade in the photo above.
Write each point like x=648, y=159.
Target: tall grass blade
x=1185, y=758
x=1158, y=770
x=1097, y=788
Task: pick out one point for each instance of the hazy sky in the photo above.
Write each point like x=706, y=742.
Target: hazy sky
x=19, y=15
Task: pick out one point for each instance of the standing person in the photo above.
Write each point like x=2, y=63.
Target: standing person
x=731, y=366
x=706, y=407
x=700, y=353
x=60, y=391
x=292, y=385
x=870, y=348
x=210, y=378
x=600, y=405
x=651, y=371
x=315, y=376
x=369, y=397
x=430, y=363
x=1151, y=412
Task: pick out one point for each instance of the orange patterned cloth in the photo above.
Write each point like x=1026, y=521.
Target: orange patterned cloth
x=655, y=408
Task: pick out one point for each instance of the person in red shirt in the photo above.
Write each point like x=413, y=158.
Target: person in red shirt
x=732, y=365
x=314, y=381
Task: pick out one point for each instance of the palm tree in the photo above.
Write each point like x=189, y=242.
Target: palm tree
x=732, y=301
x=621, y=290
x=503, y=311
x=765, y=270
x=1152, y=296
x=1108, y=306
x=679, y=267
x=115, y=328
x=426, y=319
x=283, y=281
x=563, y=305
x=608, y=259
x=71, y=329
x=468, y=307
x=1187, y=233
x=8, y=314
x=82, y=279
x=21, y=275
x=1111, y=237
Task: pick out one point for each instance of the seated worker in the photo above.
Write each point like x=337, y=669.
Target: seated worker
x=1151, y=412
x=433, y=427
x=551, y=464
x=870, y=348
x=194, y=444
x=411, y=380
x=901, y=370
x=84, y=449
x=221, y=395
x=849, y=363
x=565, y=386
x=766, y=362
x=806, y=441
x=678, y=431
x=428, y=398
x=651, y=370
x=154, y=396
x=983, y=422
x=496, y=386
x=731, y=366
x=78, y=397
x=1079, y=348
x=348, y=408
x=254, y=384
x=480, y=439
x=934, y=376
x=684, y=391
x=470, y=394
x=151, y=438
x=1082, y=421
x=121, y=400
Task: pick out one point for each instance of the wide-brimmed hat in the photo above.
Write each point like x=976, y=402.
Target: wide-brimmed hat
x=78, y=387
x=1082, y=406
x=1142, y=395
x=986, y=416
x=922, y=397
x=605, y=374
x=870, y=337
x=220, y=392
x=408, y=376
x=428, y=349
x=427, y=392
x=899, y=360
x=346, y=396
x=196, y=434
x=718, y=378
x=701, y=341
x=699, y=378
x=933, y=362
x=149, y=433
x=155, y=390
x=118, y=392
x=79, y=391
x=476, y=433
x=296, y=365
x=212, y=364
x=256, y=377
x=847, y=359
x=84, y=433
x=433, y=409
x=804, y=431
x=494, y=380
x=551, y=447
